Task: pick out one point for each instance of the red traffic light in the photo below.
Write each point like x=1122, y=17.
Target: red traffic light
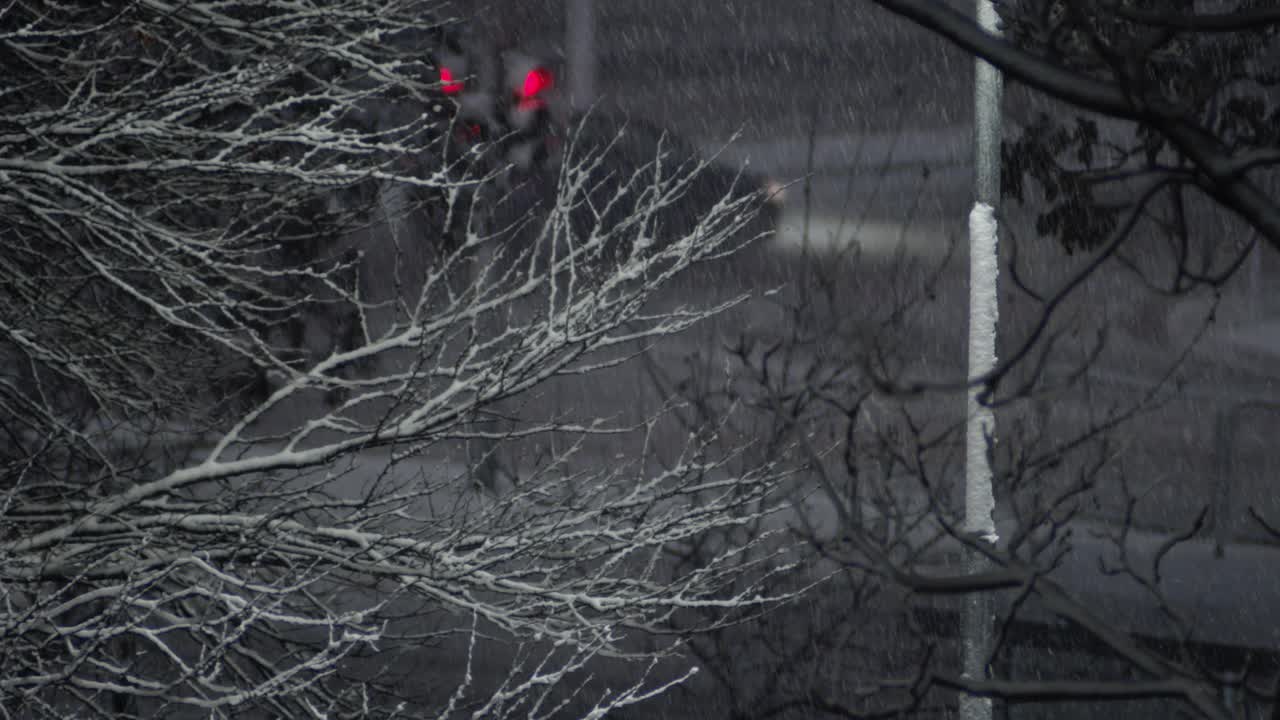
x=448, y=85
x=536, y=81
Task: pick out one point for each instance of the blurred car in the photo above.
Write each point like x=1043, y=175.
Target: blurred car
x=513, y=122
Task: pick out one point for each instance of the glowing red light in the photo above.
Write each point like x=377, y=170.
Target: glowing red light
x=535, y=82
x=447, y=84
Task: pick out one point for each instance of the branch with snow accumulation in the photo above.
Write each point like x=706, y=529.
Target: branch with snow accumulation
x=255, y=295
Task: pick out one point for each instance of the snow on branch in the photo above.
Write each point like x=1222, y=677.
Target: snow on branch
x=253, y=293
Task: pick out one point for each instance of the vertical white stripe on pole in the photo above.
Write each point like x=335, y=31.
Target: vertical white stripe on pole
x=979, y=499
x=984, y=311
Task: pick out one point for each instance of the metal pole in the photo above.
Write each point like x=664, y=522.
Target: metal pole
x=580, y=52
x=979, y=501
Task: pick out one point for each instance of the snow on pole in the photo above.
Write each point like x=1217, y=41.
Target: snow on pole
x=979, y=499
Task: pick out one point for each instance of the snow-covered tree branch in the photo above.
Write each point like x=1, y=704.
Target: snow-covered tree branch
x=254, y=296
